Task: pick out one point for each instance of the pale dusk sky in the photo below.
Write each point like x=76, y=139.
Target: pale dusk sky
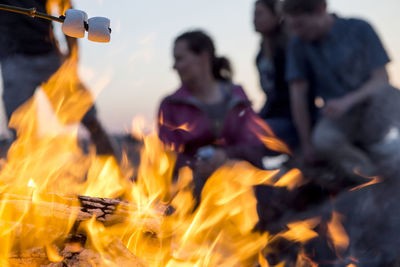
x=134, y=71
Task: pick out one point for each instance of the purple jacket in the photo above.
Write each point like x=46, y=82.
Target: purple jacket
x=185, y=127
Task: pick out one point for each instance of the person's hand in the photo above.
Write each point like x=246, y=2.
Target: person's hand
x=337, y=107
x=219, y=157
x=309, y=156
x=206, y=167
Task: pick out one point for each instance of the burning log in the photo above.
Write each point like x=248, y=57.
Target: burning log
x=107, y=211
x=73, y=256
x=104, y=209
x=72, y=250
x=34, y=257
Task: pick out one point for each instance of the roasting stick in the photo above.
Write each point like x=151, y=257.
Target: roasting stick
x=31, y=12
x=100, y=25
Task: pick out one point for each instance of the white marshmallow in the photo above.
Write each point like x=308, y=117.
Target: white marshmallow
x=99, y=30
x=74, y=23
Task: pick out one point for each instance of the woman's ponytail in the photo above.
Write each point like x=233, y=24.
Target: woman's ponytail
x=221, y=68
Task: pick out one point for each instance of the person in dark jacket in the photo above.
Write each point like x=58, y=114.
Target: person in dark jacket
x=30, y=55
x=270, y=62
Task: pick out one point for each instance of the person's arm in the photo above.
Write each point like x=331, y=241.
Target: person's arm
x=299, y=90
x=298, y=70
x=377, y=59
x=336, y=108
x=379, y=79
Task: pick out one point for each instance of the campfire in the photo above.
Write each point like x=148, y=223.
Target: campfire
x=60, y=206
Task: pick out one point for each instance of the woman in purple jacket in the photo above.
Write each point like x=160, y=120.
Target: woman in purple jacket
x=208, y=120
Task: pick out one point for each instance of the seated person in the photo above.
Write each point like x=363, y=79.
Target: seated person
x=345, y=61
x=209, y=119
x=270, y=62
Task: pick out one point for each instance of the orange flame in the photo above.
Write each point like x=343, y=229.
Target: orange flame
x=292, y=179
x=41, y=168
x=44, y=173
x=301, y=231
x=304, y=260
x=57, y=6
x=184, y=127
x=267, y=137
x=373, y=180
x=138, y=127
x=337, y=234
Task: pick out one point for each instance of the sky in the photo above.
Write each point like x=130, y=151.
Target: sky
x=132, y=73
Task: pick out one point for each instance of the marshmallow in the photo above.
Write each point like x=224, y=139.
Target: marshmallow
x=99, y=30
x=74, y=23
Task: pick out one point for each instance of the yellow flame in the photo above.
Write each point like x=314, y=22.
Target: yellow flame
x=267, y=136
x=301, y=231
x=337, y=234
x=373, y=180
x=44, y=173
x=304, y=260
x=69, y=97
x=292, y=179
x=184, y=127
x=104, y=178
x=262, y=260
x=138, y=127
x=32, y=183
x=57, y=6
x=158, y=221
x=53, y=254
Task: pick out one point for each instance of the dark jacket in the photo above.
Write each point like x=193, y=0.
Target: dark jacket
x=21, y=34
